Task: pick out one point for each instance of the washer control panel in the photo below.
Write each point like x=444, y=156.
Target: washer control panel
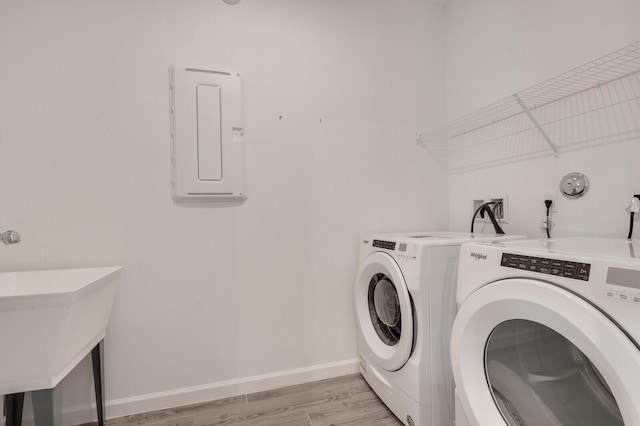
x=402, y=251
x=561, y=268
x=387, y=245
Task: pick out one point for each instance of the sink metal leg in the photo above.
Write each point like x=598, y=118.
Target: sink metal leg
x=47, y=403
x=98, y=379
x=13, y=405
x=47, y=407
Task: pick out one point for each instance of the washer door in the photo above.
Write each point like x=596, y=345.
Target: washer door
x=526, y=352
x=383, y=311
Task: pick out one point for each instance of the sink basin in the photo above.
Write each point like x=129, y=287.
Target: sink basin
x=49, y=321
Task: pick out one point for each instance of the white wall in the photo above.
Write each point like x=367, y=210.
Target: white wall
x=498, y=47
x=214, y=297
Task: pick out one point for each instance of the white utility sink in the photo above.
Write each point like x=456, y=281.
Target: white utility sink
x=49, y=321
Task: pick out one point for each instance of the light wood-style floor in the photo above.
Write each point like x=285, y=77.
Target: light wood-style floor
x=346, y=400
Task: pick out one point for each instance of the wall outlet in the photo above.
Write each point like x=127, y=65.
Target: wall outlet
x=501, y=211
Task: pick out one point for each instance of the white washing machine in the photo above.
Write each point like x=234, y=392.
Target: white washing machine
x=547, y=333
x=405, y=305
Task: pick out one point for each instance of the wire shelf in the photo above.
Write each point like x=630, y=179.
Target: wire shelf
x=594, y=104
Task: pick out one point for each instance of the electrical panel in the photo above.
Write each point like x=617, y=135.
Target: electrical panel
x=207, y=136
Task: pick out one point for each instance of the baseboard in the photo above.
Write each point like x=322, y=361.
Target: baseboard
x=209, y=392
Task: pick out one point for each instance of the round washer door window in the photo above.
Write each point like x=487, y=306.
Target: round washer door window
x=529, y=352
x=539, y=378
x=383, y=311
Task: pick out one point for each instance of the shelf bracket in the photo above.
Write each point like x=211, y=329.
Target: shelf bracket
x=535, y=123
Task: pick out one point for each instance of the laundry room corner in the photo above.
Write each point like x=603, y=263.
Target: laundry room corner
x=498, y=49
x=217, y=298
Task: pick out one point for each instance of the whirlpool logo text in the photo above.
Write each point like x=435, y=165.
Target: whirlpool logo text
x=479, y=256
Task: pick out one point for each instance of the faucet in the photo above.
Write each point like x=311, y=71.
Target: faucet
x=10, y=237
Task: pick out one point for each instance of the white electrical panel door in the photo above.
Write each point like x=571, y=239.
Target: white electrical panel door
x=207, y=143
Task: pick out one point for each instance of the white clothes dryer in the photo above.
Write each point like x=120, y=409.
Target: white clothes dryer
x=547, y=333
x=405, y=305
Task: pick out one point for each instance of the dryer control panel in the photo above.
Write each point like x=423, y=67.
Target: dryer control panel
x=623, y=284
x=561, y=268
